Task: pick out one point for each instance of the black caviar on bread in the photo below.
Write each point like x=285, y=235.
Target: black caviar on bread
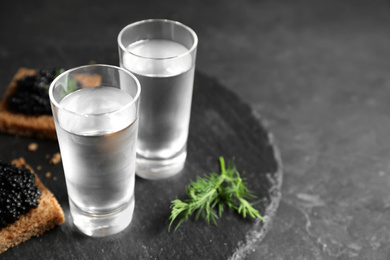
x=24, y=191
x=18, y=193
x=25, y=111
x=31, y=96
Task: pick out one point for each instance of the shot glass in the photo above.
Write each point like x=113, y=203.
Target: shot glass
x=161, y=53
x=95, y=110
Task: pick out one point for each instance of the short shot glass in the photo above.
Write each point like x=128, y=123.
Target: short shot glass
x=95, y=110
x=161, y=54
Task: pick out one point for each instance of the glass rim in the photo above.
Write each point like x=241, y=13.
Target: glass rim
x=58, y=106
x=190, y=50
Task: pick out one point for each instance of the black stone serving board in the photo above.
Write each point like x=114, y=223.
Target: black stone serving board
x=221, y=125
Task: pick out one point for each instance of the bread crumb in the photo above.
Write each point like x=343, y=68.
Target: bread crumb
x=32, y=147
x=39, y=167
x=48, y=175
x=20, y=162
x=55, y=178
x=55, y=159
x=47, y=156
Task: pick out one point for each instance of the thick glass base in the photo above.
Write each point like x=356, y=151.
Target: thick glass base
x=101, y=225
x=156, y=169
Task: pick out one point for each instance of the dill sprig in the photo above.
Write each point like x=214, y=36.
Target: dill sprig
x=209, y=195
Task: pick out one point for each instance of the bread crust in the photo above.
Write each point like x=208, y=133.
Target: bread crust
x=46, y=216
x=38, y=126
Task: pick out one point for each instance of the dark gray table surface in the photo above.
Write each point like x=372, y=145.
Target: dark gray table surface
x=315, y=72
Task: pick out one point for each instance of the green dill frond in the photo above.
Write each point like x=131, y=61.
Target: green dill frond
x=208, y=196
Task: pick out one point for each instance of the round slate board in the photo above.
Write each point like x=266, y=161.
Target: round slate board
x=221, y=125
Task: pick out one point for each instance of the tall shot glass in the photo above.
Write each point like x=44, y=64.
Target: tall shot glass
x=161, y=53
x=95, y=110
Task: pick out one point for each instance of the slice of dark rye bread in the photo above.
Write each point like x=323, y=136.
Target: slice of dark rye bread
x=46, y=216
x=39, y=126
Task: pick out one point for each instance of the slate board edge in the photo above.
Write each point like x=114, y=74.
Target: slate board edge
x=254, y=238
